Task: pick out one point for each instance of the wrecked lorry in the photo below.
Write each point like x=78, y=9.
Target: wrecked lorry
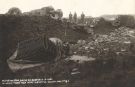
x=34, y=52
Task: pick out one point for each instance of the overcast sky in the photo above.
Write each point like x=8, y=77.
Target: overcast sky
x=89, y=7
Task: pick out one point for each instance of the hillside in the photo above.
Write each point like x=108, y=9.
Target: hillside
x=18, y=28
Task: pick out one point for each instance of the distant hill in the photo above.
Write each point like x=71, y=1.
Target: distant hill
x=109, y=17
x=125, y=20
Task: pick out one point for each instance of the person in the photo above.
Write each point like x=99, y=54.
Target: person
x=66, y=49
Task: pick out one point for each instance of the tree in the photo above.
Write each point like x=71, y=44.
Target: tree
x=14, y=11
x=75, y=17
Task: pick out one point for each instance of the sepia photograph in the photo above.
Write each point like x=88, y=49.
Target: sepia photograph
x=67, y=43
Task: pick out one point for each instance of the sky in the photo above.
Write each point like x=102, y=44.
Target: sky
x=88, y=7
